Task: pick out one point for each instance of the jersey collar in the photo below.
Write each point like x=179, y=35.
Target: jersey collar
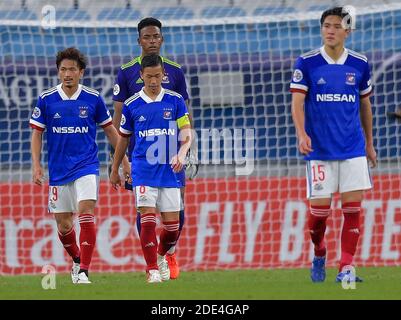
x=159, y=98
x=65, y=97
x=329, y=60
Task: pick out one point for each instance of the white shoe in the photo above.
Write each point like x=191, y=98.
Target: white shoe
x=153, y=276
x=83, y=278
x=74, y=272
x=163, y=268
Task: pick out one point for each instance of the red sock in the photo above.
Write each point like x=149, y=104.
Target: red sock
x=87, y=239
x=317, y=227
x=168, y=236
x=69, y=242
x=350, y=232
x=149, y=240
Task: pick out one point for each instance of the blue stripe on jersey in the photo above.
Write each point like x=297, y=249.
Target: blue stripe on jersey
x=332, y=103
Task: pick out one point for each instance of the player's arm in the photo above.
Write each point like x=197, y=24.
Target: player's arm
x=118, y=107
x=298, y=117
x=119, y=154
x=36, y=149
x=185, y=137
x=366, y=121
x=113, y=136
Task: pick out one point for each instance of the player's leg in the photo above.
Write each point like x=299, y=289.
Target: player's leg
x=169, y=205
x=171, y=256
x=321, y=184
x=87, y=189
x=60, y=204
x=354, y=179
x=146, y=198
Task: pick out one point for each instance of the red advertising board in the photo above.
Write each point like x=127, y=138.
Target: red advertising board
x=230, y=223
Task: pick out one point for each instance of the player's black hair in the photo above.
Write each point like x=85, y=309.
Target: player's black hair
x=71, y=54
x=152, y=60
x=336, y=11
x=146, y=22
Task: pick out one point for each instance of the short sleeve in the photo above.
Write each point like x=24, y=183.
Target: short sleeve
x=365, y=87
x=299, y=81
x=38, y=117
x=102, y=116
x=120, y=89
x=181, y=85
x=126, y=124
x=182, y=113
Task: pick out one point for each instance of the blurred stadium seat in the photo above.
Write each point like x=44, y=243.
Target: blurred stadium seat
x=72, y=15
x=266, y=11
x=170, y=13
x=17, y=15
x=222, y=12
x=119, y=14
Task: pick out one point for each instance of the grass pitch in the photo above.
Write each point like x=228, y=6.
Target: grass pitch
x=294, y=284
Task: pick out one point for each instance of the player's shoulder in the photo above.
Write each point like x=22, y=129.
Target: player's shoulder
x=357, y=55
x=171, y=63
x=48, y=92
x=172, y=93
x=90, y=91
x=130, y=64
x=310, y=54
x=131, y=100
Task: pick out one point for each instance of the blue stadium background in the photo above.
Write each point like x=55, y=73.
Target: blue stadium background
x=264, y=53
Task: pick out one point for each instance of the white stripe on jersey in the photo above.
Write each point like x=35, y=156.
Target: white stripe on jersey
x=90, y=91
x=357, y=55
x=311, y=53
x=172, y=93
x=105, y=121
x=131, y=99
x=298, y=86
x=366, y=91
x=125, y=131
x=38, y=124
x=48, y=92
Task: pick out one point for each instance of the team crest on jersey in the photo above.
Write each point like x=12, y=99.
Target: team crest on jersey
x=83, y=112
x=167, y=115
x=350, y=79
x=36, y=113
x=165, y=78
x=139, y=81
x=297, y=76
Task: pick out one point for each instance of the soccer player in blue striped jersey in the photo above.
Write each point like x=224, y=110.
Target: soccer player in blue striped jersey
x=129, y=82
x=158, y=120
x=332, y=114
x=69, y=113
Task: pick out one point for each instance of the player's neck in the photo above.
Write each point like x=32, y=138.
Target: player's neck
x=69, y=91
x=150, y=94
x=334, y=52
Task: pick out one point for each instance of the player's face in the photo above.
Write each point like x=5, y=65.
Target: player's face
x=69, y=73
x=150, y=40
x=152, y=78
x=333, y=33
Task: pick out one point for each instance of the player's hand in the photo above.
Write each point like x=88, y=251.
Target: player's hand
x=115, y=179
x=177, y=163
x=191, y=164
x=371, y=155
x=304, y=144
x=127, y=170
x=37, y=175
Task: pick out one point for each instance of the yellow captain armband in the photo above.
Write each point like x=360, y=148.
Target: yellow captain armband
x=183, y=121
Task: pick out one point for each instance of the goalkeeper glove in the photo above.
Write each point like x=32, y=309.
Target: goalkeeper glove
x=192, y=164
